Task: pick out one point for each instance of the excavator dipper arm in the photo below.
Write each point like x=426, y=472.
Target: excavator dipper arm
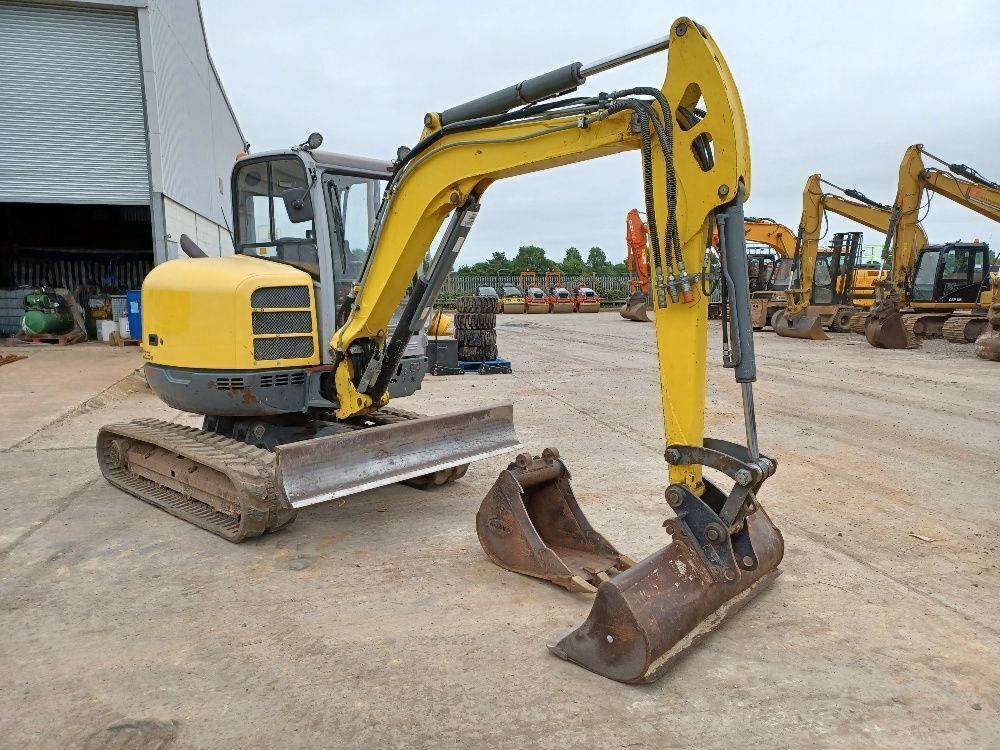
x=691, y=134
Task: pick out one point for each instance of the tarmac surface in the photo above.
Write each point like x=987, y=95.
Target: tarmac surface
x=380, y=622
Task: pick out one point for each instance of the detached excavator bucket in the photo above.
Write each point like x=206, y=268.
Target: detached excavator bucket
x=645, y=614
x=885, y=329
x=802, y=326
x=988, y=345
x=530, y=523
x=635, y=308
x=325, y=468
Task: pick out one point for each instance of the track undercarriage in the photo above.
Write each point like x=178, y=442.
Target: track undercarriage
x=238, y=490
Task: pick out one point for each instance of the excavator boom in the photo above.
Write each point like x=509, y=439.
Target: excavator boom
x=723, y=548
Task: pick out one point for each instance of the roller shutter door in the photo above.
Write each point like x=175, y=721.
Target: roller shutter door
x=73, y=128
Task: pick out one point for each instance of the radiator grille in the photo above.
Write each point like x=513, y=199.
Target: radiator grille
x=288, y=347
x=229, y=384
x=280, y=296
x=279, y=379
x=282, y=322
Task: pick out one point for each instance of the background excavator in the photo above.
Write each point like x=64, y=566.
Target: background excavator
x=637, y=261
x=768, y=285
x=823, y=291
x=933, y=290
x=295, y=372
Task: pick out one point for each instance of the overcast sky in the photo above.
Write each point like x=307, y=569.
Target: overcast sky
x=837, y=88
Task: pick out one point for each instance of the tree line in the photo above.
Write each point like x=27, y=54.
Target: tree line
x=533, y=258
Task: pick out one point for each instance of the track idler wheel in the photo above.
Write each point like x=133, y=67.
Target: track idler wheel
x=635, y=308
x=530, y=523
x=885, y=328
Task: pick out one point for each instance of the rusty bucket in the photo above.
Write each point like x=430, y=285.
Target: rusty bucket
x=801, y=326
x=530, y=523
x=635, y=308
x=645, y=618
x=724, y=550
x=885, y=329
x=988, y=343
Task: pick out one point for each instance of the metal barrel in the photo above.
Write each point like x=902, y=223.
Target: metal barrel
x=734, y=259
x=325, y=468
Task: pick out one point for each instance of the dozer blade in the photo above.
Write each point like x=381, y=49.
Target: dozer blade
x=325, y=468
x=884, y=329
x=635, y=308
x=530, y=523
x=645, y=618
x=803, y=326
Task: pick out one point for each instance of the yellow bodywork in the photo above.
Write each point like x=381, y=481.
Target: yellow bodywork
x=814, y=204
x=776, y=236
x=200, y=312
x=463, y=165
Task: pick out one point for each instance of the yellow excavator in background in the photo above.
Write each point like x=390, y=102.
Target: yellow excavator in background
x=767, y=290
x=294, y=373
x=829, y=288
x=933, y=290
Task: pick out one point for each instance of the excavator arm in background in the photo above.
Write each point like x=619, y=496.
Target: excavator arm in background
x=774, y=234
x=692, y=137
x=637, y=242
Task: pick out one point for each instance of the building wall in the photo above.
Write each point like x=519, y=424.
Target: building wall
x=194, y=135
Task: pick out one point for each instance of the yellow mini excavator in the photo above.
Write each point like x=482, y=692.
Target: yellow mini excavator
x=933, y=290
x=293, y=348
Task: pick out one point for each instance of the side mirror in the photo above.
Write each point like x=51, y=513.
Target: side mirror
x=298, y=204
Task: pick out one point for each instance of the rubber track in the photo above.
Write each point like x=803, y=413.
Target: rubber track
x=858, y=323
x=250, y=469
x=955, y=328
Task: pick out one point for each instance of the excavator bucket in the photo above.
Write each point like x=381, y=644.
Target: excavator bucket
x=530, y=523
x=885, y=329
x=802, y=326
x=643, y=620
x=325, y=468
x=758, y=313
x=635, y=308
x=645, y=614
x=988, y=345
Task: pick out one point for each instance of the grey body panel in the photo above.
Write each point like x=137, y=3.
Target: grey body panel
x=260, y=393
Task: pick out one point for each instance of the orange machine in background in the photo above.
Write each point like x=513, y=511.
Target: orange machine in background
x=560, y=298
x=585, y=299
x=536, y=301
x=636, y=239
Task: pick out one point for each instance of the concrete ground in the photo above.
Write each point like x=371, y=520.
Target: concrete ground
x=380, y=622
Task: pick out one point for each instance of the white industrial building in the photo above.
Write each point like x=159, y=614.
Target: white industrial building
x=115, y=138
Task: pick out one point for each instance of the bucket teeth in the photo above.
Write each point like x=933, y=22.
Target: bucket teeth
x=530, y=523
